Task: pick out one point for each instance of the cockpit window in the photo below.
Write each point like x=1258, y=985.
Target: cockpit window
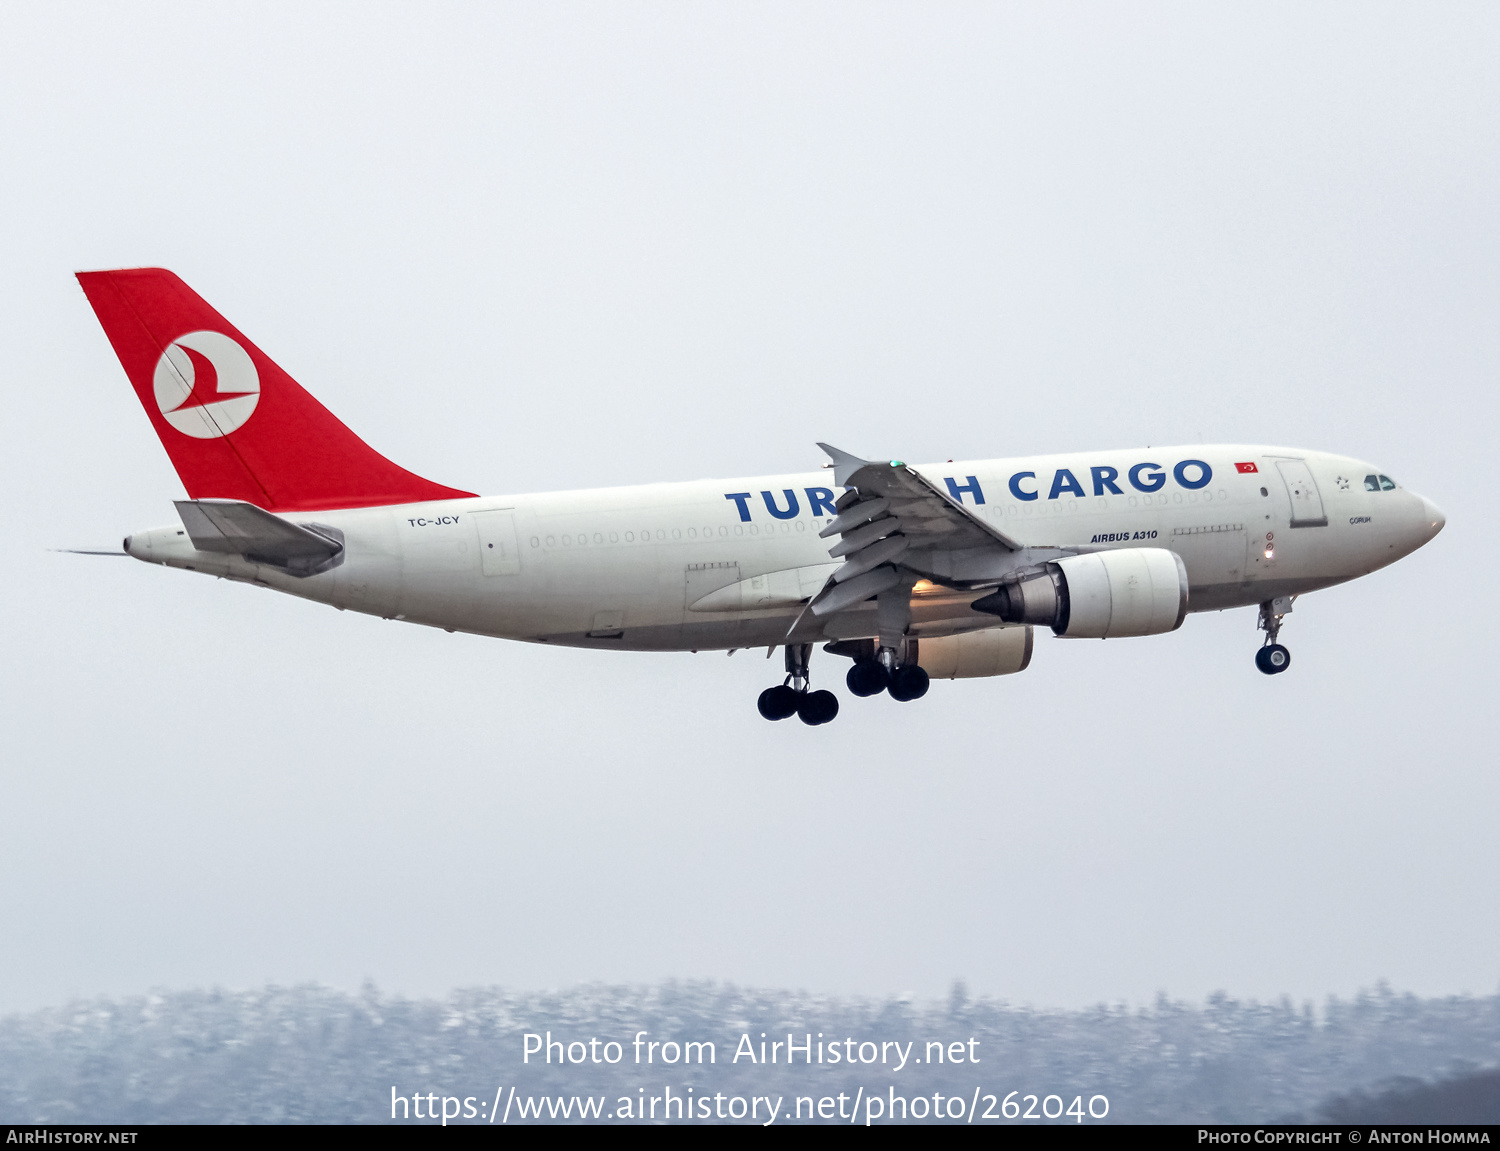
x=1387, y=484
x=1372, y=483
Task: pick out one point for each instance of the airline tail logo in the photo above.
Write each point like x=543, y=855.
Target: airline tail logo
x=206, y=385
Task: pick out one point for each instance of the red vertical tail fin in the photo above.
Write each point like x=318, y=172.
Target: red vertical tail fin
x=234, y=424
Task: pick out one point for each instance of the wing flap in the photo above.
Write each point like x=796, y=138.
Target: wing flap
x=882, y=551
x=864, y=536
x=897, y=527
x=860, y=513
x=838, y=597
x=929, y=516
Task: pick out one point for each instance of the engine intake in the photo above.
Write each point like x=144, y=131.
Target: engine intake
x=1101, y=595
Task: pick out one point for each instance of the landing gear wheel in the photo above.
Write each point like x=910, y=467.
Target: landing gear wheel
x=1273, y=659
x=778, y=702
x=910, y=682
x=867, y=678
x=817, y=707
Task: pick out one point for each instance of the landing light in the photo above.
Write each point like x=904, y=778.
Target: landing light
x=1270, y=553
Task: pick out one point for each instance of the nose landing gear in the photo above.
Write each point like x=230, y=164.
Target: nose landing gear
x=793, y=697
x=1272, y=658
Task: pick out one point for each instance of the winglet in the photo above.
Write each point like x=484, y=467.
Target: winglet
x=844, y=465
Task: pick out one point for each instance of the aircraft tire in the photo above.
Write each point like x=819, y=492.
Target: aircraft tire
x=866, y=678
x=817, y=707
x=1273, y=659
x=910, y=682
x=778, y=702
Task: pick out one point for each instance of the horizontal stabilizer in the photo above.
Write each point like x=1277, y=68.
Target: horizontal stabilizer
x=231, y=527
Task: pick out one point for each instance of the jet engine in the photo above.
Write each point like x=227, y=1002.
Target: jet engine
x=994, y=651
x=1100, y=595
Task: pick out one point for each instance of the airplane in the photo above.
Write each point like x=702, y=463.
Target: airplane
x=911, y=571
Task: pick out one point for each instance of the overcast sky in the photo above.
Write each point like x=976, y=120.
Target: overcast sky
x=533, y=247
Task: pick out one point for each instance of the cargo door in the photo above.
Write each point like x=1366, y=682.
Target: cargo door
x=1214, y=556
x=498, y=553
x=1302, y=489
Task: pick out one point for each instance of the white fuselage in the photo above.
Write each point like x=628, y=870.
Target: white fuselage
x=730, y=563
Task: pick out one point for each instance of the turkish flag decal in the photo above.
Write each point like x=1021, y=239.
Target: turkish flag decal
x=1246, y=469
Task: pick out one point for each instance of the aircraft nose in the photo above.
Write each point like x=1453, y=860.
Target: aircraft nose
x=1432, y=518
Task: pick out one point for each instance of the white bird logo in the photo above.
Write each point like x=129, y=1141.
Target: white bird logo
x=206, y=385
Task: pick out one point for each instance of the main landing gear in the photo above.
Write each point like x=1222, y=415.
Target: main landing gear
x=871, y=677
x=876, y=669
x=887, y=663
x=793, y=697
x=1272, y=658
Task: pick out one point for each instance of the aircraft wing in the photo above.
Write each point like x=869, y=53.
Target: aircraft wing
x=232, y=527
x=894, y=523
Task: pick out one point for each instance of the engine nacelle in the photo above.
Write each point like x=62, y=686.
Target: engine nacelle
x=1101, y=595
x=994, y=651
